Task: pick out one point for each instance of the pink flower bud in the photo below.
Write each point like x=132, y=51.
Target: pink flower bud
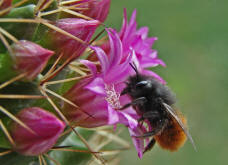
x=30, y=58
x=96, y=9
x=5, y=3
x=79, y=28
x=47, y=129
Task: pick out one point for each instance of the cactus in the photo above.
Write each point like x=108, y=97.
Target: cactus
x=60, y=84
x=39, y=40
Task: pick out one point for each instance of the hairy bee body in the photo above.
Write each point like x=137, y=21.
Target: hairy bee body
x=154, y=102
x=172, y=137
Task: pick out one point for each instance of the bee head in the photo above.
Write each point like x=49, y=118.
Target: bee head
x=137, y=85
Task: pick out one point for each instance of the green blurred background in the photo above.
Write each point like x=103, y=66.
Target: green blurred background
x=193, y=41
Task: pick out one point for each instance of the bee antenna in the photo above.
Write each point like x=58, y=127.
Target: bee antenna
x=133, y=65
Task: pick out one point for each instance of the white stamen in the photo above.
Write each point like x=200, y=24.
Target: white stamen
x=112, y=96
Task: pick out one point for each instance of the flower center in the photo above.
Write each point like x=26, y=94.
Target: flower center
x=112, y=96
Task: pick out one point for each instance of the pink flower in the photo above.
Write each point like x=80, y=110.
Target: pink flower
x=47, y=128
x=138, y=41
x=99, y=95
x=30, y=58
x=79, y=28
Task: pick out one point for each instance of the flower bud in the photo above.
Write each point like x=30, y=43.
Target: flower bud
x=30, y=58
x=46, y=127
x=96, y=9
x=79, y=28
x=5, y=4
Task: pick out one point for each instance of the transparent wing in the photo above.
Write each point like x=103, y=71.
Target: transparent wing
x=170, y=110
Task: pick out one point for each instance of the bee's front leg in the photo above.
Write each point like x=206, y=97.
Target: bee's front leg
x=138, y=101
x=150, y=145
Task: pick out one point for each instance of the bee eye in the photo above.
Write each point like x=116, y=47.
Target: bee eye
x=141, y=84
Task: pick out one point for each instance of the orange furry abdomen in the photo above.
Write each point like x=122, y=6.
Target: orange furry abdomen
x=172, y=137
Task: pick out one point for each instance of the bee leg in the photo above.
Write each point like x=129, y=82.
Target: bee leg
x=155, y=131
x=137, y=101
x=149, y=134
x=150, y=145
x=150, y=114
x=146, y=115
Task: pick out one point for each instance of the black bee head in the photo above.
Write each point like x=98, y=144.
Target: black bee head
x=146, y=86
x=138, y=86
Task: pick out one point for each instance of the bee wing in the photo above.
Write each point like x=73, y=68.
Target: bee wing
x=171, y=111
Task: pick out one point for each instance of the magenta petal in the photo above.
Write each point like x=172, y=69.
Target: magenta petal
x=133, y=18
x=47, y=128
x=138, y=142
x=120, y=72
x=101, y=55
x=97, y=86
x=132, y=24
x=143, y=31
x=113, y=117
x=124, y=26
x=115, y=47
x=92, y=67
x=128, y=120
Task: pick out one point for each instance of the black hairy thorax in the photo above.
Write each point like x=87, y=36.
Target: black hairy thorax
x=154, y=94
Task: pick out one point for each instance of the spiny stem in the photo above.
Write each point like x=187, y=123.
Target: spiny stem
x=13, y=6
x=5, y=42
x=69, y=2
x=46, y=23
x=87, y=145
x=45, y=6
x=53, y=105
x=40, y=160
x=53, y=66
x=76, y=14
x=19, y=20
x=5, y=152
x=96, y=37
x=38, y=5
x=114, y=138
x=9, y=137
x=72, y=150
x=43, y=160
x=16, y=119
x=62, y=98
x=67, y=9
x=77, y=70
x=49, y=12
x=11, y=37
x=64, y=80
x=50, y=158
x=12, y=80
x=53, y=74
x=12, y=96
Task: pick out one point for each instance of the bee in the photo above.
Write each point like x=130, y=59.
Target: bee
x=154, y=103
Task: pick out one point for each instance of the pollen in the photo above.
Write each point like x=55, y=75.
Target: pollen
x=112, y=97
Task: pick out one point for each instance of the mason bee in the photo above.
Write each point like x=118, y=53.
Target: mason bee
x=154, y=103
